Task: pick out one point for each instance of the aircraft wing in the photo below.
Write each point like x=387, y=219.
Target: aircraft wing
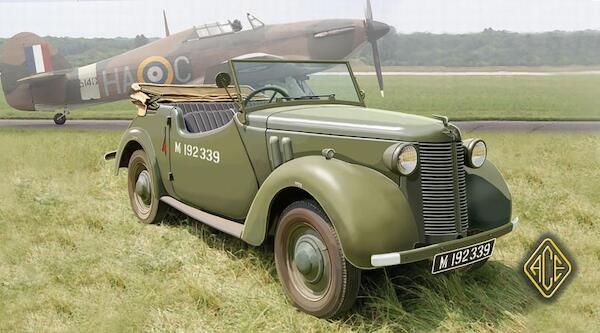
x=43, y=77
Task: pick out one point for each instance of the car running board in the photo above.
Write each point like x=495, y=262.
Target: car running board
x=227, y=226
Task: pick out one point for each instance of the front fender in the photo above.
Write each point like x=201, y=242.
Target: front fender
x=368, y=210
x=488, y=197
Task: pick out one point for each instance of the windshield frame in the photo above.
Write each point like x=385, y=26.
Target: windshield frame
x=243, y=109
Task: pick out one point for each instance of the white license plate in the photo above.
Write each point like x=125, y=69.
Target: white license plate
x=464, y=256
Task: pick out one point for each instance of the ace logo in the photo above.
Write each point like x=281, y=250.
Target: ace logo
x=548, y=268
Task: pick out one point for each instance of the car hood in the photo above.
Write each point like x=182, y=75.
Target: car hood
x=358, y=122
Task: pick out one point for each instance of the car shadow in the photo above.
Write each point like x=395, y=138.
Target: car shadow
x=405, y=298
x=215, y=239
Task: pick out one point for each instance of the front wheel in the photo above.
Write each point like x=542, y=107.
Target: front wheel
x=311, y=266
x=142, y=191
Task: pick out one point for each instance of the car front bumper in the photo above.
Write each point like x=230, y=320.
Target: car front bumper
x=427, y=252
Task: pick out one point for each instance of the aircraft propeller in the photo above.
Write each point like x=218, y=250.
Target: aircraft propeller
x=375, y=30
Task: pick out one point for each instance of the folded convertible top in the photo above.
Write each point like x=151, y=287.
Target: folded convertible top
x=150, y=96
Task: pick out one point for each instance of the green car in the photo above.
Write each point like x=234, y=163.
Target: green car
x=287, y=151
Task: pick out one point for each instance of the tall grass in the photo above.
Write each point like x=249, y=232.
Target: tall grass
x=73, y=257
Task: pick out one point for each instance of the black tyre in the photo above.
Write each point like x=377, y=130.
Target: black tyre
x=142, y=190
x=311, y=266
x=60, y=118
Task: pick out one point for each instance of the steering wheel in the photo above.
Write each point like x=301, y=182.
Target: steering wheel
x=275, y=90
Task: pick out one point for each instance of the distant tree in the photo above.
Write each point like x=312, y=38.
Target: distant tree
x=140, y=40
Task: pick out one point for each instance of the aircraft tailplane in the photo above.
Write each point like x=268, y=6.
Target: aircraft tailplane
x=27, y=55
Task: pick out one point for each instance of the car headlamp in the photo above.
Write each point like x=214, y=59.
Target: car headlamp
x=476, y=152
x=401, y=158
x=407, y=160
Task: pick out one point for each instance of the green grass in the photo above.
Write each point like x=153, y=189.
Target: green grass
x=562, y=97
x=359, y=66
x=73, y=257
x=511, y=97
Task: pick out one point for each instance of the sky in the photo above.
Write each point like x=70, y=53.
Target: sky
x=127, y=18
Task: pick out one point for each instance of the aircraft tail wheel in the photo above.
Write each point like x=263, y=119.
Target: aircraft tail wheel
x=60, y=118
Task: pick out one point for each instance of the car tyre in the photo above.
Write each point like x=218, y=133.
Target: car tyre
x=143, y=195
x=310, y=264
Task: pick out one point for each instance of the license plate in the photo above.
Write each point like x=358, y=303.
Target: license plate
x=464, y=256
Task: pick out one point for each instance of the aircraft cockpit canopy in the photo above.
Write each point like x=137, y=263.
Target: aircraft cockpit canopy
x=214, y=29
x=254, y=22
x=217, y=29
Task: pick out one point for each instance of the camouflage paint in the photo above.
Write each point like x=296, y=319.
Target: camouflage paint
x=178, y=59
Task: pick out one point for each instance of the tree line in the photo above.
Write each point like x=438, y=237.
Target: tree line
x=84, y=51
x=487, y=48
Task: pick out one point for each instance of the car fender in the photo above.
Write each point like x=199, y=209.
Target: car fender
x=488, y=197
x=368, y=210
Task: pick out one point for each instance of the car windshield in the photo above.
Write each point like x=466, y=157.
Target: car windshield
x=281, y=82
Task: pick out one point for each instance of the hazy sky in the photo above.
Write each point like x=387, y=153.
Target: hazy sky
x=89, y=18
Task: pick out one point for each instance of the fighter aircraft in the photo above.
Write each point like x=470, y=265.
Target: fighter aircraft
x=35, y=77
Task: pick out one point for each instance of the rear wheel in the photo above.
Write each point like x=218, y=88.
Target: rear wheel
x=142, y=190
x=311, y=266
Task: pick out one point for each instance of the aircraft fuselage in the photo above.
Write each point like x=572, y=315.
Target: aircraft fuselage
x=184, y=58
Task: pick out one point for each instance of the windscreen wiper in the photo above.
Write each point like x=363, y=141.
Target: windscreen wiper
x=330, y=97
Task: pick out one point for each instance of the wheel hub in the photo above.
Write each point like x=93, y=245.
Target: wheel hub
x=142, y=187
x=308, y=258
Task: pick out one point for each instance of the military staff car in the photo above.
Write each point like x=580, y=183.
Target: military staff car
x=288, y=149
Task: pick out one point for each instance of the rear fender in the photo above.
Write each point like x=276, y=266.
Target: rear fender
x=368, y=210
x=135, y=138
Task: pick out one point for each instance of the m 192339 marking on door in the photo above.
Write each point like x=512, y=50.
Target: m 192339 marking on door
x=202, y=153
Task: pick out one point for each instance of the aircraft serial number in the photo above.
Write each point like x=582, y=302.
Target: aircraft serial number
x=201, y=153
x=92, y=81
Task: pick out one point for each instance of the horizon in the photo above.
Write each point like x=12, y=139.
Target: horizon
x=399, y=33
x=113, y=18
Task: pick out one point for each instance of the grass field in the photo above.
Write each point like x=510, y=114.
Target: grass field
x=73, y=258
x=511, y=97
x=359, y=66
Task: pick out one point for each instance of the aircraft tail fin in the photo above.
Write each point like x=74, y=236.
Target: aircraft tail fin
x=23, y=56
x=167, y=31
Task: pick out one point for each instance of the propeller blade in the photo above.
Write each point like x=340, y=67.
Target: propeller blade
x=375, y=30
x=369, y=12
x=377, y=63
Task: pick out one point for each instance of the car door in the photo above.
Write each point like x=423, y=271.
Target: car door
x=211, y=169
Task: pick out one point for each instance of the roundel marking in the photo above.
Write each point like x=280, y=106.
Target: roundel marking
x=155, y=69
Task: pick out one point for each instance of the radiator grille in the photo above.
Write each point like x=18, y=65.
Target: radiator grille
x=438, y=188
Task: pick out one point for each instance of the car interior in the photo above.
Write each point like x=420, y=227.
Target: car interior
x=206, y=116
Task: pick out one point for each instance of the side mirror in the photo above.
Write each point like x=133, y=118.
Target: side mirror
x=223, y=80
x=362, y=94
